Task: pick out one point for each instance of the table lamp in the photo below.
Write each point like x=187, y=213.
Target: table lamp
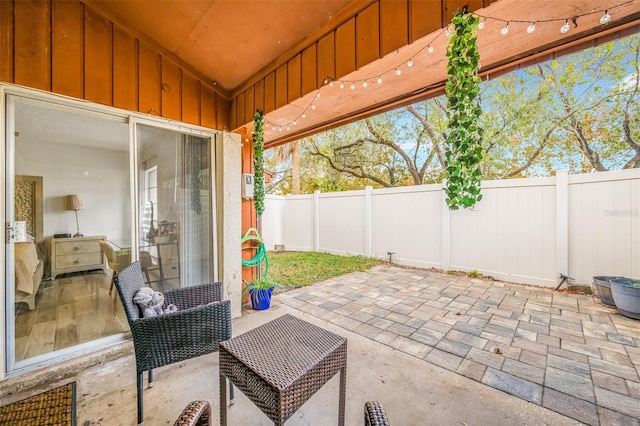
x=74, y=202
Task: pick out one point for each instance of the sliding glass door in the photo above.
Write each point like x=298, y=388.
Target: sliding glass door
x=80, y=181
x=175, y=234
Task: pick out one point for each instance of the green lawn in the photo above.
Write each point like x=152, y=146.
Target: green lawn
x=295, y=269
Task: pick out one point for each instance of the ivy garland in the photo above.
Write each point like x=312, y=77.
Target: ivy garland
x=464, y=135
x=258, y=162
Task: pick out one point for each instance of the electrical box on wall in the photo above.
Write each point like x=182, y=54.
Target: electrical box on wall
x=247, y=185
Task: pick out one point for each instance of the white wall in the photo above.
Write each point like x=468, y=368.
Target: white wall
x=99, y=176
x=523, y=230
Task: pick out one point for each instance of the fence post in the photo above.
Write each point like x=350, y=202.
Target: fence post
x=446, y=231
x=316, y=220
x=367, y=221
x=562, y=221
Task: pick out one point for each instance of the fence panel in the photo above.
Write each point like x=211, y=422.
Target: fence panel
x=298, y=223
x=510, y=234
x=604, y=224
x=341, y=219
x=408, y=221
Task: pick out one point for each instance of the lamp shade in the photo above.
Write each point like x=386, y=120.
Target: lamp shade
x=74, y=202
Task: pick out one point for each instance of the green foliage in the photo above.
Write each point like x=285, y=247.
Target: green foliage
x=464, y=135
x=260, y=284
x=474, y=274
x=258, y=162
x=294, y=269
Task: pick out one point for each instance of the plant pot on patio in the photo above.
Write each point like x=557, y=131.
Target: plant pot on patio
x=603, y=288
x=261, y=299
x=626, y=295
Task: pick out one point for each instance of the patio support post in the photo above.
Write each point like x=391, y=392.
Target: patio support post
x=562, y=222
x=367, y=221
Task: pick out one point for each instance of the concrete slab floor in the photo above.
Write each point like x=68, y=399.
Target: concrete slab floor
x=412, y=391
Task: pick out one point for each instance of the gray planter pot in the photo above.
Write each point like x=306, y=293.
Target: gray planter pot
x=604, y=289
x=626, y=295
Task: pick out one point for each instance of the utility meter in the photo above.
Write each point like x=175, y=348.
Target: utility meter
x=247, y=185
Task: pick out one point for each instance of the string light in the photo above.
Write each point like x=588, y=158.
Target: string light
x=566, y=27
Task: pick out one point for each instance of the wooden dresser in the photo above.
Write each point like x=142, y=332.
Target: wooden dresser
x=76, y=254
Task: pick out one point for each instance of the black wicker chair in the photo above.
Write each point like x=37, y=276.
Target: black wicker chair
x=197, y=413
x=196, y=329
x=374, y=414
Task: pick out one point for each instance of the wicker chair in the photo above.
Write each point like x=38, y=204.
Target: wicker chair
x=197, y=413
x=196, y=329
x=374, y=414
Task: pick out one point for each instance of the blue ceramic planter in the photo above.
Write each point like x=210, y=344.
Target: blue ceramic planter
x=626, y=294
x=261, y=299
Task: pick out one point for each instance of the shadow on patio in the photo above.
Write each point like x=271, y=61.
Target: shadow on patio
x=432, y=348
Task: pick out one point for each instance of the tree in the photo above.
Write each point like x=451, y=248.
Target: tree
x=398, y=148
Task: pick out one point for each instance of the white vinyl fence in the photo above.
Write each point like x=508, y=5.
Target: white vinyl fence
x=524, y=230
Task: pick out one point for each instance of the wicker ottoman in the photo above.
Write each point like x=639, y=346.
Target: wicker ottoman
x=281, y=364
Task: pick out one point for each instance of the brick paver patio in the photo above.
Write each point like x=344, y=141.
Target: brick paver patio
x=566, y=352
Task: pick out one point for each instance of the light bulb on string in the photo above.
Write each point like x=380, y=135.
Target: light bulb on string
x=505, y=30
x=398, y=72
x=365, y=84
x=304, y=115
x=331, y=84
x=326, y=80
x=313, y=106
x=295, y=123
x=531, y=28
x=410, y=63
x=288, y=128
x=318, y=94
x=379, y=79
x=605, y=18
x=266, y=124
x=447, y=32
x=341, y=85
x=280, y=128
x=430, y=49
x=565, y=28
x=481, y=24
x=353, y=86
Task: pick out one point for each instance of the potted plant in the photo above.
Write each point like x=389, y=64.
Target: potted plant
x=626, y=295
x=260, y=290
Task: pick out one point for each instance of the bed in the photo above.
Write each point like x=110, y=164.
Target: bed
x=29, y=268
x=29, y=256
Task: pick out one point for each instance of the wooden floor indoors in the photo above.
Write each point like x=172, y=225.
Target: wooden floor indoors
x=72, y=309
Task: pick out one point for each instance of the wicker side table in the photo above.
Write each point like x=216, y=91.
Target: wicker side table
x=281, y=364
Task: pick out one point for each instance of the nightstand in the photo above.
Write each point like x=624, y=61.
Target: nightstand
x=76, y=254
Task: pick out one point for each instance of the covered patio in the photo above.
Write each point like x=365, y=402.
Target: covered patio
x=432, y=348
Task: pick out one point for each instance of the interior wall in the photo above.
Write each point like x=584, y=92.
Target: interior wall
x=99, y=176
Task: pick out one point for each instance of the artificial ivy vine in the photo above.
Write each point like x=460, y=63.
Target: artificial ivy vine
x=463, y=135
x=258, y=162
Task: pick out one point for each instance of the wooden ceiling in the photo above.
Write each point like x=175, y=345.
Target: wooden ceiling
x=234, y=42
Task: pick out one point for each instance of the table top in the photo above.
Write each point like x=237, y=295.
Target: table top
x=284, y=349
